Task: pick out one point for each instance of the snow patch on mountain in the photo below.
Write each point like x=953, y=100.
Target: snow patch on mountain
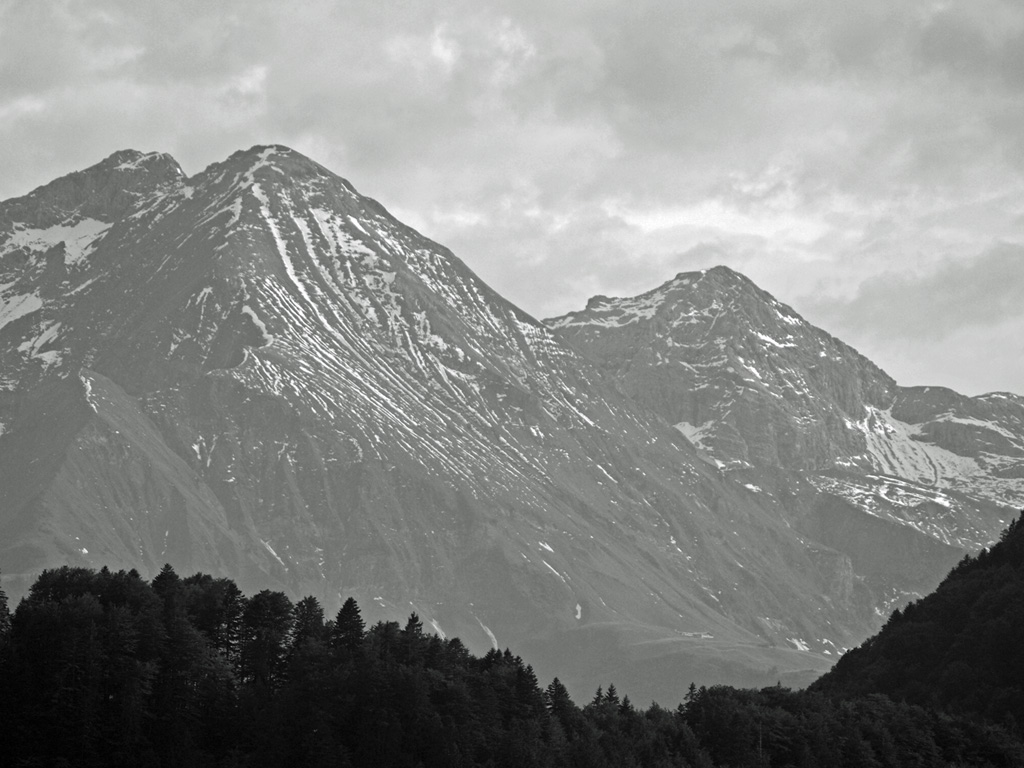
x=487, y=631
x=437, y=629
x=35, y=347
x=76, y=237
x=270, y=549
x=772, y=342
x=554, y=571
x=17, y=306
x=87, y=384
x=262, y=161
x=697, y=435
x=895, y=448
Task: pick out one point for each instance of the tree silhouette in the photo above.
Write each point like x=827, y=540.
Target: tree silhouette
x=5, y=615
x=308, y=619
x=266, y=626
x=105, y=669
x=347, y=633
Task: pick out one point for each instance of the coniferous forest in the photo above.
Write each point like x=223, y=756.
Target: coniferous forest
x=960, y=649
x=107, y=669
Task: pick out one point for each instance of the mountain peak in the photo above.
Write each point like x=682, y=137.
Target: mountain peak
x=263, y=159
x=103, y=191
x=729, y=276
x=260, y=154
x=278, y=166
x=679, y=347
x=717, y=278
x=719, y=284
x=720, y=271
x=133, y=159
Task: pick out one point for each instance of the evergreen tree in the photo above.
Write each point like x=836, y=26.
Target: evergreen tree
x=5, y=615
x=557, y=699
x=166, y=583
x=382, y=640
x=215, y=608
x=183, y=667
x=349, y=629
x=308, y=618
x=266, y=627
x=691, y=693
x=413, y=642
x=612, y=695
x=563, y=709
x=413, y=625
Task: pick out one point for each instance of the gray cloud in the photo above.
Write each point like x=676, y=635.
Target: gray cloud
x=952, y=322
x=985, y=290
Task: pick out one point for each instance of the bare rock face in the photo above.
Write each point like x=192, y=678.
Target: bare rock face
x=257, y=372
x=743, y=376
x=893, y=478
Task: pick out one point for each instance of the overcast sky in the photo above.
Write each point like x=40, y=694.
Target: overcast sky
x=863, y=161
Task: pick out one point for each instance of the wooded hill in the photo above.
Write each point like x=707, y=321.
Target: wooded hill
x=958, y=649
x=106, y=669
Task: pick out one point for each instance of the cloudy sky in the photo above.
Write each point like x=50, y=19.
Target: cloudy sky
x=863, y=161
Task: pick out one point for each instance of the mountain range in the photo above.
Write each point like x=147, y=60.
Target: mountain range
x=258, y=372
x=892, y=476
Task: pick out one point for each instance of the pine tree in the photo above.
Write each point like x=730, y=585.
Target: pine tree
x=557, y=697
x=612, y=696
x=690, y=698
x=309, y=621
x=166, y=582
x=266, y=630
x=232, y=603
x=5, y=616
x=626, y=707
x=349, y=629
x=412, y=641
x=413, y=626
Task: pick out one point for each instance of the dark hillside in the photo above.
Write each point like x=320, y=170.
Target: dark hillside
x=107, y=669
x=959, y=648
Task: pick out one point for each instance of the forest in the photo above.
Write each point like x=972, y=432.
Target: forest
x=103, y=668
x=958, y=649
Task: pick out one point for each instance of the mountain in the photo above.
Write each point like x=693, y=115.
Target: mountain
x=901, y=480
x=259, y=373
x=958, y=648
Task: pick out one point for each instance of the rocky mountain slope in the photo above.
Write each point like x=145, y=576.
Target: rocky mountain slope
x=258, y=372
x=898, y=479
